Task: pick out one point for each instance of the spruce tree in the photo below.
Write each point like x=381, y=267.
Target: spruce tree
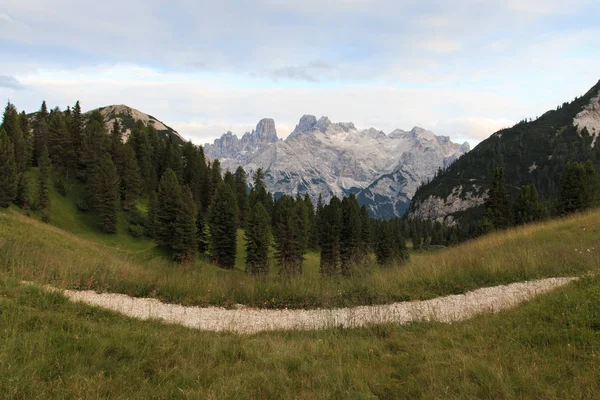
x=40, y=133
x=108, y=194
x=44, y=166
x=288, y=234
x=60, y=147
x=365, y=231
x=384, y=243
x=258, y=240
x=201, y=233
x=131, y=179
x=223, y=226
x=528, y=207
x=186, y=247
x=259, y=191
x=350, y=234
x=12, y=128
x=168, y=230
x=76, y=131
x=8, y=170
x=579, y=187
x=330, y=222
x=23, y=191
x=241, y=194
x=152, y=224
x=498, y=202
x=140, y=142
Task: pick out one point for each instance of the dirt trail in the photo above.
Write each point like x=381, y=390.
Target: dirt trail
x=249, y=320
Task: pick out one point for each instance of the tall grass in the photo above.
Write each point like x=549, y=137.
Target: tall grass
x=546, y=349
x=31, y=250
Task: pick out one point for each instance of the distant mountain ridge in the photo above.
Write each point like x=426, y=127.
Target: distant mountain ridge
x=324, y=158
x=530, y=152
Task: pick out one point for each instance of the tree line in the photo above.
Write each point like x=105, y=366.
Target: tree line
x=174, y=195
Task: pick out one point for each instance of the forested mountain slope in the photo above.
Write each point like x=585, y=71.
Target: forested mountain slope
x=534, y=151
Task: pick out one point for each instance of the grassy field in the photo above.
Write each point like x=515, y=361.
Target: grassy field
x=546, y=349
x=51, y=348
x=73, y=254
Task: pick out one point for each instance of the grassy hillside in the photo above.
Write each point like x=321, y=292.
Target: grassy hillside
x=73, y=255
x=548, y=348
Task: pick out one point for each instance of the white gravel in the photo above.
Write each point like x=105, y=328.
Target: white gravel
x=249, y=320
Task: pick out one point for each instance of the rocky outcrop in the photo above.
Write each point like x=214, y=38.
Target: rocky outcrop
x=325, y=158
x=589, y=118
x=461, y=199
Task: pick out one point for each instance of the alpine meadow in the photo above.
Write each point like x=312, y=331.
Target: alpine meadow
x=194, y=253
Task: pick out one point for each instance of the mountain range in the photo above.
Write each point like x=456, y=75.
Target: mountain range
x=323, y=158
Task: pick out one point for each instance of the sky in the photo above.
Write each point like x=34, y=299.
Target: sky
x=462, y=69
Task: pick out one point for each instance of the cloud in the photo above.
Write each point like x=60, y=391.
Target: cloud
x=10, y=82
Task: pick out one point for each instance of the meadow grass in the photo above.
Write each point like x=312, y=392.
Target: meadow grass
x=51, y=348
x=32, y=250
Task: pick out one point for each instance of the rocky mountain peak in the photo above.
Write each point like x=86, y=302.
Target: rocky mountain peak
x=322, y=124
x=265, y=130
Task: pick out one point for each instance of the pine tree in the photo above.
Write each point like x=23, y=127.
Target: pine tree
x=499, y=202
x=23, y=191
x=45, y=166
x=384, y=243
x=8, y=170
x=186, y=247
x=579, y=187
x=40, y=133
x=152, y=225
x=365, y=234
x=201, y=233
x=288, y=234
x=528, y=207
x=131, y=179
x=108, y=194
x=330, y=222
x=168, y=231
x=258, y=240
x=223, y=226
x=76, y=131
x=241, y=194
x=12, y=128
x=350, y=234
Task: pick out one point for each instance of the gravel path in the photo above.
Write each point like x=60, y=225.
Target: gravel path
x=250, y=320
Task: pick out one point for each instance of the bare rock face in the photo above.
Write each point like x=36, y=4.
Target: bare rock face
x=589, y=119
x=265, y=130
x=335, y=159
x=461, y=199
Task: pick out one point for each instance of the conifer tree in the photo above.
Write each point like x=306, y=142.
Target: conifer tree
x=40, y=133
x=168, y=230
x=288, y=234
x=8, y=170
x=59, y=143
x=330, y=221
x=23, y=191
x=304, y=220
x=140, y=142
x=108, y=194
x=152, y=224
x=45, y=166
x=258, y=240
x=498, y=202
x=579, y=187
x=12, y=128
x=313, y=231
x=241, y=194
x=365, y=231
x=201, y=233
x=528, y=207
x=186, y=247
x=130, y=177
x=259, y=191
x=76, y=131
x=350, y=234
x=384, y=243
x=223, y=226
x=27, y=137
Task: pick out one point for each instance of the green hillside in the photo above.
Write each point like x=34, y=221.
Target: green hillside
x=51, y=348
